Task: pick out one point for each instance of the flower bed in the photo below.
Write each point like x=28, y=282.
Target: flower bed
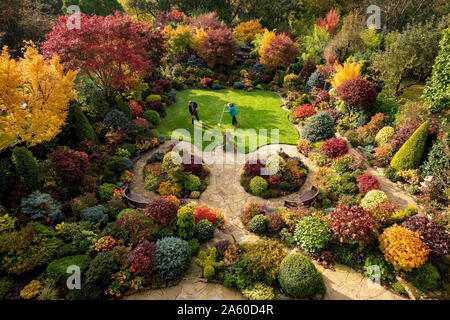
x=172, y=175
x=277, y=176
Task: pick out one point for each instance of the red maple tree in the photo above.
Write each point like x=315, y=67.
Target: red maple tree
x=112, y=51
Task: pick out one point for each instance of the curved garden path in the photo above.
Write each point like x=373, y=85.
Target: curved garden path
x=226, y=194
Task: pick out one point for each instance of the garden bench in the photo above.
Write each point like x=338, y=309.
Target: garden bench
x=307, y=199
x=134, y=200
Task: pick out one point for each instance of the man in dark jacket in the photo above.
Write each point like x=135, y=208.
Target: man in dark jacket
x=193, y=110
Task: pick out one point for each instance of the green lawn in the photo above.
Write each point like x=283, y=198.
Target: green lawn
x=256, y=110
x=412, y=93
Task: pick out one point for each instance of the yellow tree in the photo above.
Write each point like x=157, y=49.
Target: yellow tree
x=34, y=98
x=247, y=31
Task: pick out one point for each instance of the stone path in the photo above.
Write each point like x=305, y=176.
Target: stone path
x=226, y=194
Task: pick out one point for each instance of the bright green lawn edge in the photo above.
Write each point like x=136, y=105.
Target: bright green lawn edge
x=256, y=110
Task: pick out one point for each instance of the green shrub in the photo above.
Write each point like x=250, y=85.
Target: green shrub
x=172, y=257
x=195, y=195
x=106, y=191
x=67, y=231
x=438, y=162
x=116, y=120
x=95, y=214
x=41, y=205
x=57, y=269
x=97, y=278
x=84, y=240
x=151, y=182
x=204, y=230
x=82, y=129
x=409, y=155
x=258, y=224
x=114, y=167
x=171, y=160
x=6, y=222
x=259, y=291
x=151, y=116
x=375, y=263
x=398, y=287
x=299, y=277
x=312, y=234
x=152, y=98
x=372, y=198
x=26, y=165
x=192, y=182
x=384, y=135
x=208, y=262
x=391, y=174
x=425, y=278
x=194, y=244
x=6, y=282
x=258, y=185
x=436, y=91
x=185, y=223
x=319, y=127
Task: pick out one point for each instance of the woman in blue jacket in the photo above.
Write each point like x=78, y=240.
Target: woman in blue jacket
x=233, y=112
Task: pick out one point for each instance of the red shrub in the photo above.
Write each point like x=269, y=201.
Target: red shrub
x=320, y=96
x=142, y=259
x=71, y=165
x=164, y=17
x=135, y=108
x=156, y=105
x=366, y=182
x=254, y=169
x=352, y=225
x=218, y=47
x=280, y=52
x=265, y=78
x=194, y=165
x=203, y=212
x=400, y=136
x=308, y=69
x=141, y=122
x=275, y=180
x=221, y=77
x=357, y=92
x=206, y=82
x=383, y=213
x=334, y=147
x=161, y=86
x=434, y=235
x=163, y=212
x=209, y=21
x=304, y=111
x=377, y=122
x=274, y=221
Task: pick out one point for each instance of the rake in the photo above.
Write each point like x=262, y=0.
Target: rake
x=221, y=116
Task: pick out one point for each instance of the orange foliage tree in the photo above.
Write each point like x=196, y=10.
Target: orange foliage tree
x=34, y=98
x=247, y=31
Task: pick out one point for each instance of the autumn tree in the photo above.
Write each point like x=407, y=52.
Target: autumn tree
x=277, y=50
x=247, y=31
x=34, y=98
x=218, y=47
x=113, y=51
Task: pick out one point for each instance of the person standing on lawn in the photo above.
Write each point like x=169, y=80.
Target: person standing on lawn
x=233, y=112
x=193, y=110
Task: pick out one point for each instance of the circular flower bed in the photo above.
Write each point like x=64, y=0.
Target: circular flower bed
x=278, y=175
x=171, y=174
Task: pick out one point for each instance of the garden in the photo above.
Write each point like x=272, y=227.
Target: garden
x=87, y=115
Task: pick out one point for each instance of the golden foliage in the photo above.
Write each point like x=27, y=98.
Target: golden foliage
x=247, y=31
x=198, y=35
x=347, y=71
x=267, y=39
x=34, y=98
x=403, y=248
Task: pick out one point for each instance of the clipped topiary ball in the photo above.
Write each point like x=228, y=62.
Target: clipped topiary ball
x=299, y=277
x=258, y=185
x=258, y=224
x=172, y=257
x=205, y=230
x=319, y=127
